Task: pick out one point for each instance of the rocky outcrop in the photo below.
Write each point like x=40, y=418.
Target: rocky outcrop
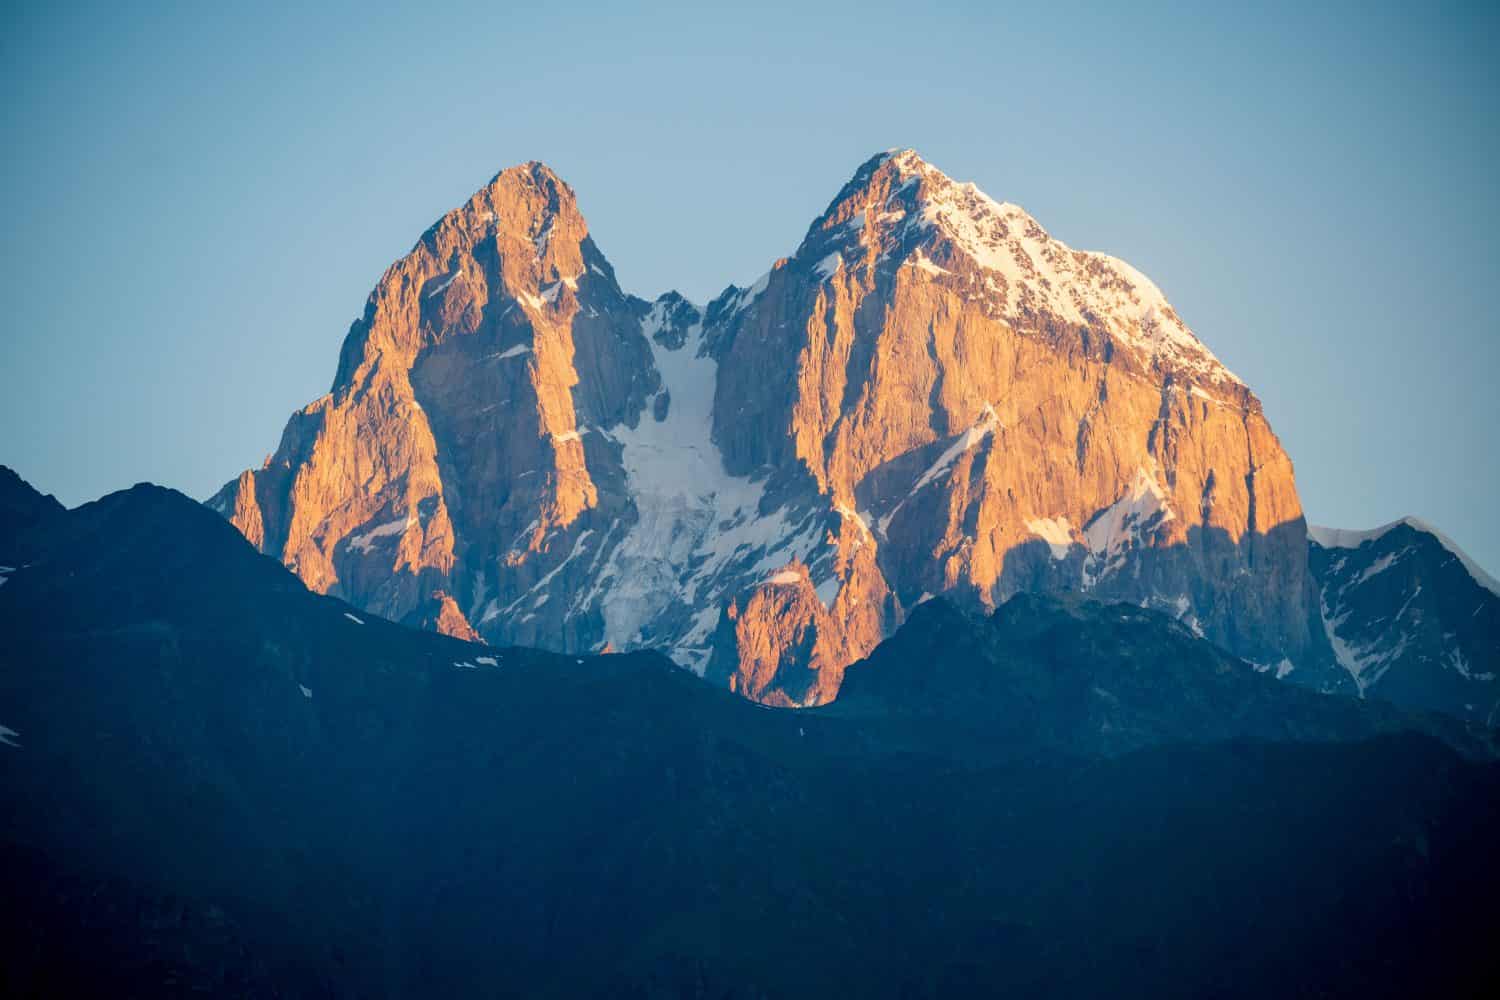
x=930, y=396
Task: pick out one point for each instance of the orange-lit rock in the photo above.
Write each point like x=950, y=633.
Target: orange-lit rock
x=930, y=396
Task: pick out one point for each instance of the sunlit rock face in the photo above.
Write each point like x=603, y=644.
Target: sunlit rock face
x=456, y=460
x=930, y=396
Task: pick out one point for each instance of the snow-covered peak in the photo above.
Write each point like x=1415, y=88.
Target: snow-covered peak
x=908, y=162
x=902, y=209
x=1344, y=538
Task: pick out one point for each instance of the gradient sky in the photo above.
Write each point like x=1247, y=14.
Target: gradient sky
x=196, y=203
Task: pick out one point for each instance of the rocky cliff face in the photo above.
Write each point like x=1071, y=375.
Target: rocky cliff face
x=930, y=396
x=454, y=456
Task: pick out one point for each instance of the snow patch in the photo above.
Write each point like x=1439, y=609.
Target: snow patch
x=750, y=294
x=1380, y=565
x=986, y=426
x=544, y=238
x=363, y=542
x=1127, y=523
x=580, y=546
x=828, y=590
x=1365, y=664
x=967, y=440
x=698, y=528
x=921, y=263
x=858, y=517
x=443, y=284
x=1056, y=532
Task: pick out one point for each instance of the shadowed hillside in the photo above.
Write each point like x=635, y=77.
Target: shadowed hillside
x=222, y=782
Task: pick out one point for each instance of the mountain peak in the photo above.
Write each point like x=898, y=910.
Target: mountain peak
x=909, y=163
x=521, y=201
x=534, y=172
x=1345, y=538
x=907, y=167
x=1409, y=616
x=899, y=211
x=529, y=193
x=22, y=508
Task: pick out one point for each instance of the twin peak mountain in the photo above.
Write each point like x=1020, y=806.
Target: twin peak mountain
x=931, y=396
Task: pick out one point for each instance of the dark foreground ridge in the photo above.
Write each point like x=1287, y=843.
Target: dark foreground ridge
x=217, y=781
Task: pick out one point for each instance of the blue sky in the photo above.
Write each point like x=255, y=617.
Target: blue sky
x=197, y=202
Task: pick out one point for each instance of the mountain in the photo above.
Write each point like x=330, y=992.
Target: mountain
x=1411, y=617
x=1079, y=677
x=448, y=463
x=930, y=396
x=225, y=783
x=22, y=508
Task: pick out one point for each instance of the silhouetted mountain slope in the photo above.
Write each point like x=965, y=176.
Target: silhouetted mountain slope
x=1081, y=677
x=21, y=508
x=1410, y=617
x=219, y=781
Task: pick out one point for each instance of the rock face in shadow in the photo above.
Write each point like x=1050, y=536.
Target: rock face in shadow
x=930, y=396
x=1080, y=677
x=1410, y=617
x=222, y=783
x=22, y=509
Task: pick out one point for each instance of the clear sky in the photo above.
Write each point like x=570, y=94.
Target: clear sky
x=197, y=202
